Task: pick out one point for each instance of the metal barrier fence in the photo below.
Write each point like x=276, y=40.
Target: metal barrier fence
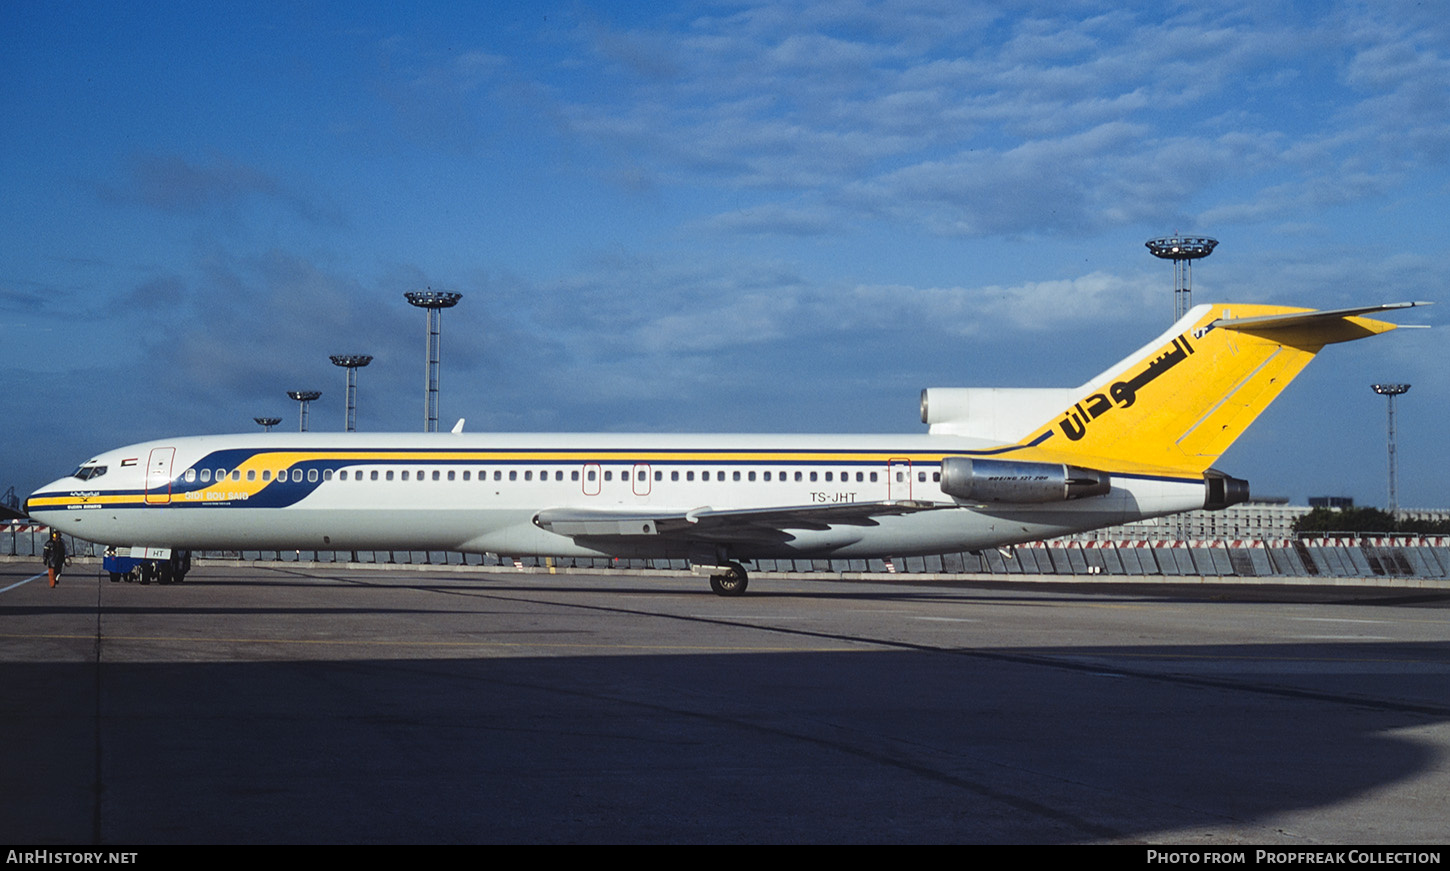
x=1329, y=558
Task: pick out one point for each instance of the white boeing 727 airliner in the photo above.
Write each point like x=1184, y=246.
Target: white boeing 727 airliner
x=997, y=467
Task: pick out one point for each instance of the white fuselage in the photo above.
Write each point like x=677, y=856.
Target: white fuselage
x=482, y=493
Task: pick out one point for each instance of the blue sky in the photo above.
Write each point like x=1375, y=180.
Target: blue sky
x=776, y=217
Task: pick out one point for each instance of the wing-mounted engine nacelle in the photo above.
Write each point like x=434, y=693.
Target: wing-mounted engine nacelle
x=1221, y=491
x=1019, y=482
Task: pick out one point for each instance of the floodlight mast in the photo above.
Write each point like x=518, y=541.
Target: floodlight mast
x=1389, y=392
x=303, y=397
x=352, y=363
x=267, y=422
x=1182, y=250
x=434, y=301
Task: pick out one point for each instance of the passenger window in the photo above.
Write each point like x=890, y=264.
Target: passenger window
x=266, y=474
x=236, y=475
x=389, y=474
x=251, y=474
x=735, y=475
x=450, y=475
x=312, y=476
x=828, y=476
x=189, y=476
x=674, y=475
x=205, y=475
x=373, y=475
x=528, y=475
x=574, y=475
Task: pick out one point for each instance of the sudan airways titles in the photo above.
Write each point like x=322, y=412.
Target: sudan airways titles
x=1124, y=393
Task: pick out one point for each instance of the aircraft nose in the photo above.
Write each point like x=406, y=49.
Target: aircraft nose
x=48, y=489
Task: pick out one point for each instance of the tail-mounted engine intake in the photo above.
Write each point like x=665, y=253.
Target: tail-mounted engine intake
x=1221, y=491
x=1020, y=482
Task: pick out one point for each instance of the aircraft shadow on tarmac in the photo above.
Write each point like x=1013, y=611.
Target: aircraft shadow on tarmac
x=1046, y=745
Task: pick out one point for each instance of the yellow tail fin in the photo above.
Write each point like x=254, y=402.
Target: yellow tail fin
x=1178, y=403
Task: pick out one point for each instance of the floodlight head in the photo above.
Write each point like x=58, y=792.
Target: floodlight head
x=351, y=361
x=1390, y=389
x=432, y=298
x=1181, y=247
x=268, y=421
x=304, y=395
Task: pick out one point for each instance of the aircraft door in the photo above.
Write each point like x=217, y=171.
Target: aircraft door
x=641, y=479
x=158, y=476
x=898, y=478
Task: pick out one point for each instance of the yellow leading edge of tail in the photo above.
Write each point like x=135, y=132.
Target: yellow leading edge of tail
x=1178, y=404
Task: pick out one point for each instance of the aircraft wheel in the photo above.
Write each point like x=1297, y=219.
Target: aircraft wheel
x=732, y=583
x=115, y=577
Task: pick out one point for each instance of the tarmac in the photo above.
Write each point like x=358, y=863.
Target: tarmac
x=329, y=704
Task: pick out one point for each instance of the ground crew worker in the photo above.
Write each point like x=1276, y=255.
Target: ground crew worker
x=54, y=557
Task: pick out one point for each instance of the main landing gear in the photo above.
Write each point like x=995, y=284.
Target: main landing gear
x=731, y=582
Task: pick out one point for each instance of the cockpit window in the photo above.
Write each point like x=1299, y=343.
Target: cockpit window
x=89, y=471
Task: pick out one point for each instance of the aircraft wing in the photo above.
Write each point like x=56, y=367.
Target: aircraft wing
x=719, y=525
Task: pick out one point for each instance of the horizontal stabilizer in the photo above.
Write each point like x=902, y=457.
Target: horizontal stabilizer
x=1314, y=328
x=1302, y=318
